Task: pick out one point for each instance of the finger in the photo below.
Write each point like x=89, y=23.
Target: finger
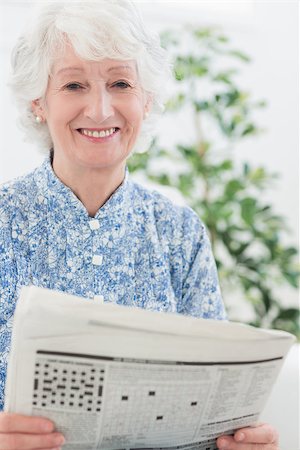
x=18, y=423
x=56, y=448
x=31, y=441
x=261, y=434
x=227, y=443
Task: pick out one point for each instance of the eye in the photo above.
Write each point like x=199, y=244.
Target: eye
x=121, y=84
x=73, y=87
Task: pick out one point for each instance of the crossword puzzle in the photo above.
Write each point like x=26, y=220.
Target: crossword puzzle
x=68, y=385
x=147, y=401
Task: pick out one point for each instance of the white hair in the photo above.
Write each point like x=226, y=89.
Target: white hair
x=96, y=30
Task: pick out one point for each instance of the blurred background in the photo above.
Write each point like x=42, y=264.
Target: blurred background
x=227, y=145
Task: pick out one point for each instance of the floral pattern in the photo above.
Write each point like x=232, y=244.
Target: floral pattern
x=140, y=250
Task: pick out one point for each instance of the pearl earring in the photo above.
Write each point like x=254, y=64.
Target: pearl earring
x=38, y=119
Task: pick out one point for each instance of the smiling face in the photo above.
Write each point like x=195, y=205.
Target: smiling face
x=94, y=111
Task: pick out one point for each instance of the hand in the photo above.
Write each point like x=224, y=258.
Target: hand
x=18, y=432
x=260, y=437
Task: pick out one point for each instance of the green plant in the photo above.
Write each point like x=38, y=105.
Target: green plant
x=246, y=234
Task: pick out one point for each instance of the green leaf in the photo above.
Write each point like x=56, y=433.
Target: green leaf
x=201, y=105
x=222, y=38
x=250, y=128
x=289, y=313
x=248, y=210
x=224, y=77
x=240, y=55
x=292, y=278
x=246, y=169
x=266, y=298
x=232, y=187
x=258, y=175
x=202, y=33
x=176, y=102
x=226, y=165
x=179, y=73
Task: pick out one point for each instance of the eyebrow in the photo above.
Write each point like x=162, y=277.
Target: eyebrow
x=122, y=67
x=80, y=69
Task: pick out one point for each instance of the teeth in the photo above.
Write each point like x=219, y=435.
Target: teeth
x=97, y=134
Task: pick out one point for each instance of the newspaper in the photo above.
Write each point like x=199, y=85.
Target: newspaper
x=115, y=377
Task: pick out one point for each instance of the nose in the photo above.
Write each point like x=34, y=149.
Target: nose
x=99, y=105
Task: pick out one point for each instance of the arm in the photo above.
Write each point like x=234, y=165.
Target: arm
x=201, y=296
x=8, y=283
x=16, y=431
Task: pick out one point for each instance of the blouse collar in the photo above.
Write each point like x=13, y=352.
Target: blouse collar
x=62, y=199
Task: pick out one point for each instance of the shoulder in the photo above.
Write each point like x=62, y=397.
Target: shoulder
x=167, y=213
x=16, y=194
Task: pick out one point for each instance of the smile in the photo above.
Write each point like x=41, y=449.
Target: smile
x=98, y=133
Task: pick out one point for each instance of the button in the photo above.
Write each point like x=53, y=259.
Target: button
x=94, y=224
x=97, y=260
x=99, y=298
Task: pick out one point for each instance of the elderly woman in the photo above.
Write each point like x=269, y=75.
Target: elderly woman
x=88, y=80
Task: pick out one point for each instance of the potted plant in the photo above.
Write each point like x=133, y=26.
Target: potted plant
x=245, y=231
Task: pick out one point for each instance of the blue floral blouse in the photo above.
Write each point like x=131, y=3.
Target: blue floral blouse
x=139, y=250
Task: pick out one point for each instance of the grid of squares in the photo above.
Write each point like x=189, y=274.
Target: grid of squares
x=64, y=385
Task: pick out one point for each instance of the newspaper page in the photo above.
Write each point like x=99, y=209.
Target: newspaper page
x=115, y=377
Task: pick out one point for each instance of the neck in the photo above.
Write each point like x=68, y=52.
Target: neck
x=93, y=187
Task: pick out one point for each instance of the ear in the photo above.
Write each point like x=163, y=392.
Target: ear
x=37, y=108
x=148, y=104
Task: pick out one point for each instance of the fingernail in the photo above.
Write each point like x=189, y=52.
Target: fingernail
x=239, y=437
x=223, y=444
x=47, y=427
x=59, y=440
